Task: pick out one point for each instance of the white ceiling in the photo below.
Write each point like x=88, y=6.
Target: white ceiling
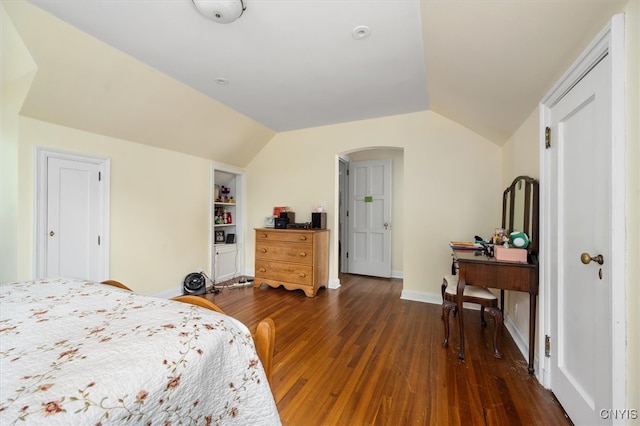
x=294, y=64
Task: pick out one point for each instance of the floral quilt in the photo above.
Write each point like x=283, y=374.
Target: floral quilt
x=75, y=352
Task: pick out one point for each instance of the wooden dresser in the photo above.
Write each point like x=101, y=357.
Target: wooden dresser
x=293, y=258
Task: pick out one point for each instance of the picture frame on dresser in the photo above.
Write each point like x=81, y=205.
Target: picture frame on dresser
x=220, y=236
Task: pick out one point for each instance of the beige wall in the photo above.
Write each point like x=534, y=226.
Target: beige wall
x=159, y=206
x=452, y=186
x=16, y=78
x=521, y=156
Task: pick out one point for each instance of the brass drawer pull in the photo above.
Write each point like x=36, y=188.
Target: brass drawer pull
x=263, y=270
x=264, y=250
x=302, y=254
x=302, y=275
x=264, y=235
x=303, y=238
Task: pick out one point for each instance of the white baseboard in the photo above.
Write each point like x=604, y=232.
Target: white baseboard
x=334, y=283
x=397, y=274
x=419, y=296
x=522, y=341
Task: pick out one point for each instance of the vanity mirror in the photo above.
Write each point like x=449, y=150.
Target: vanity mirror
x=520, y=210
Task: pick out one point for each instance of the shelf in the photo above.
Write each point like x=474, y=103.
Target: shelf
x=227, y=260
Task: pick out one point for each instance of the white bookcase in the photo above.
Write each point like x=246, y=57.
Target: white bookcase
x=226, y=222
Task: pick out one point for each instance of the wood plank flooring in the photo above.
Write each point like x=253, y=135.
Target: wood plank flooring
x=359, y=355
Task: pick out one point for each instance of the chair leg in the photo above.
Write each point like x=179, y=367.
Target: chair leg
x=482, y=320
x=497, y=320
x=446, y=308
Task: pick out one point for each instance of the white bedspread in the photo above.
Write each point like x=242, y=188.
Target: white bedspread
x=82, y=353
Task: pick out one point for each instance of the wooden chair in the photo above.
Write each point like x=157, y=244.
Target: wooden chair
x=264, y=337
x=198, y=301
x=265, y=340
x=472, y=294
x=115, y=283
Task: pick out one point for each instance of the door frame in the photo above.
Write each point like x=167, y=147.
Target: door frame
x=41, y=157
x=609, y=42
x=343, y=225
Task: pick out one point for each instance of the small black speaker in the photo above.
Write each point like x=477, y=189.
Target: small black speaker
x=194, y=284
x=319, y=220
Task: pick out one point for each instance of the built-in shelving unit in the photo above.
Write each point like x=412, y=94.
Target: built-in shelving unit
x=227, y=242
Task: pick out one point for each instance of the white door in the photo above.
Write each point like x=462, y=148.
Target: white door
x=580, y=294
x=73, y=240
x=370, y=218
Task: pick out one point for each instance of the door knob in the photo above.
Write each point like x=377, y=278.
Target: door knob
x=51, y=234
x=586, y=258
x=386, y=226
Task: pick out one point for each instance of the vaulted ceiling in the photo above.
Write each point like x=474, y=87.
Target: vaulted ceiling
x=287, y=65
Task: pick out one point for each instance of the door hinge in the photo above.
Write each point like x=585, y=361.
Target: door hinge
x=98, y=239
x=347, y=255
x=99, y=176
x=547, y=346
x=547, y=137
x=347, y=213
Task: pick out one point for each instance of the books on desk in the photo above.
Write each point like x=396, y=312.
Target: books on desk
x=461, y=245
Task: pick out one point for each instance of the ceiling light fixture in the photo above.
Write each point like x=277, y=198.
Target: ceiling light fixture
x=361, y=32
x=222, y=81
x=221, y=11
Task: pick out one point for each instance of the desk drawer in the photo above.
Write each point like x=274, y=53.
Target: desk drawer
x=284, y=272
x=292, y=252
x=501, y=276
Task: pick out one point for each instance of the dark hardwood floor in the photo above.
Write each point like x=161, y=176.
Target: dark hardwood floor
x=359, y=355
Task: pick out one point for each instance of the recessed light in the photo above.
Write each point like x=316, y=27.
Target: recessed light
x=222, y=81
x=361, y=32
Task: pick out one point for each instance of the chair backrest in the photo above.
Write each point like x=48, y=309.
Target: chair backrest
x=265, y=340
x=115, y=283
x=198, y=301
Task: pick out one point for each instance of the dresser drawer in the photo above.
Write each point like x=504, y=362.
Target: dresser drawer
x=291, y=252
x=284, y=272
x=284, y=235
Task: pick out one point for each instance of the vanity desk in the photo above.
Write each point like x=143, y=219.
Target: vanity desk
x=519, y=213
x=483, y=271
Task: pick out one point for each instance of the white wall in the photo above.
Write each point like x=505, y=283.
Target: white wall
x=452, y=186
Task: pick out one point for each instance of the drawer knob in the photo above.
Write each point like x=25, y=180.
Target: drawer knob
x=263, y=270
x=303, y=238
x=302, y=275
x=264, y=250
x=264, y=235
x=303, y=254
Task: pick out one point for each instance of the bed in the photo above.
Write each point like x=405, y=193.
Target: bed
x=80, y=352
